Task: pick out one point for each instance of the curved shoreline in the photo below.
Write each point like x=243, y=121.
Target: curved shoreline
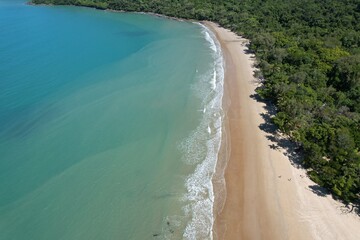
x=240, y=218
x=260, y=204
x=202, y=146
x=267, y=196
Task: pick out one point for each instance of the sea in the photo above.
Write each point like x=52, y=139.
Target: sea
x=110, y=124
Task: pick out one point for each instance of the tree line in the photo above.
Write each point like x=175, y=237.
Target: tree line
x=308, y=52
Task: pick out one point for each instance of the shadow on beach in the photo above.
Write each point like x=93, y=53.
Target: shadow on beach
x=281, y=142
x=291, y=149
x=277, y=139
x=318, y=190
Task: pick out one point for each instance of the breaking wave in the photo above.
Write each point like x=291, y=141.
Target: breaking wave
x=202, y=147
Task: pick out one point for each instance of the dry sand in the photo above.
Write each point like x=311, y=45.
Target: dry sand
x=267, y=197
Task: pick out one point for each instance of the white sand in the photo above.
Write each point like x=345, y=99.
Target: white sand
x=259, y=203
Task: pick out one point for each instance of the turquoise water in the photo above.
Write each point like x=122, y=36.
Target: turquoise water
x=110, y=125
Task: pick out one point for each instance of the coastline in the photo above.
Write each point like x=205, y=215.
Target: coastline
x=267, y=197
x=260, y=204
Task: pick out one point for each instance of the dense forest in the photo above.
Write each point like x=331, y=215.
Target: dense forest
x=309, y=55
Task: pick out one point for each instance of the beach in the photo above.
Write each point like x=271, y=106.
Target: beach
x=267, y=195
x=149, y=129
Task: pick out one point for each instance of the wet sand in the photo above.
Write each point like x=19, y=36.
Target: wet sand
x=267, y=197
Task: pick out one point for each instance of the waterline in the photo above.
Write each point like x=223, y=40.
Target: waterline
x=202, y=147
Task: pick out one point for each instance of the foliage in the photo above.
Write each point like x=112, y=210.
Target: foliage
x=309, y=53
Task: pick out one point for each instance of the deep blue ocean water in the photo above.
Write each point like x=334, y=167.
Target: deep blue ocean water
x=110, y=124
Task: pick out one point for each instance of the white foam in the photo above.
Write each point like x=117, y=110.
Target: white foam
x=211, y=41
x=213, y=82
x=202, y=147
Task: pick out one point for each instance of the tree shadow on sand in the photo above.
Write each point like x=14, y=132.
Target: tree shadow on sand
x=290, y=149
x=281, y=142
x=318, y=190
x=278, y=141
x=345, y=209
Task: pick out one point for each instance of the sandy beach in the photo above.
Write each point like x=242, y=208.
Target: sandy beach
x=267, y=195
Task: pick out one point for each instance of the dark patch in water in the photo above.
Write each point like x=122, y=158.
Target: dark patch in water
x=164, y=195
x=21, y=123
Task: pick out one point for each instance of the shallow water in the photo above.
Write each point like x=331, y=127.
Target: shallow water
x=110, y=124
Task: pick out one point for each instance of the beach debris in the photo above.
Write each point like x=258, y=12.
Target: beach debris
x=289, y=179
x=156, y=234
x=279, y=176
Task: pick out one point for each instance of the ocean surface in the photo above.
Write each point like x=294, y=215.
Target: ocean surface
x=110, y=125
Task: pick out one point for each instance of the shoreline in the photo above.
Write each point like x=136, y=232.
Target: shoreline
x=267, y=197
x=117, y=11
x=261, y=202
x=236, y=217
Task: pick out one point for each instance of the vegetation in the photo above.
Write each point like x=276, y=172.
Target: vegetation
x=309, y=53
